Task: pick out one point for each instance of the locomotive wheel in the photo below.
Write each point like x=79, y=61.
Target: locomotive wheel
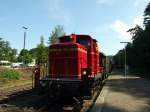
x=55, y=91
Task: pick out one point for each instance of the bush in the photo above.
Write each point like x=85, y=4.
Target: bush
x=8, y=74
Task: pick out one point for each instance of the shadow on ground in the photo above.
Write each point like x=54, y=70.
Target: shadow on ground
x=110, y=108
x=136, y=88
x=132, y=85
x=26, y=100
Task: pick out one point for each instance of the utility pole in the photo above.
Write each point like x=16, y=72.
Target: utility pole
x=24, y=42
x=125, y=59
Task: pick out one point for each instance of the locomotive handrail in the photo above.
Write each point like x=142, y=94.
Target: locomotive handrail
x=66, y=57
x=61, y=79
x=63, y=76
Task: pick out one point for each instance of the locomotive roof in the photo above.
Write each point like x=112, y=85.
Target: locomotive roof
x=80, y=36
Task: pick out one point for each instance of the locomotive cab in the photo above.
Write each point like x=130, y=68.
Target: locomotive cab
x=86, y=42
x=83, y=40
x=65, y=39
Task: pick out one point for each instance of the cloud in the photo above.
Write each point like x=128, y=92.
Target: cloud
x=138, y=21
x=58, y=13
x=121, y=27
x=137, y=3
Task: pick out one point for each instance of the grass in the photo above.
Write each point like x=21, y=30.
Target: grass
x=9, y=74
x=14, y=77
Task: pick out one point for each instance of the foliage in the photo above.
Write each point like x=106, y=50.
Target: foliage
x=13, y=57
x=24, y=56
x=6, y=52
x=41, y=52
x=32, y=52
x=135, y=32
x=119, y=59
x=147, y=17
x=56, y=33
x=8, y=74
x=138, y=52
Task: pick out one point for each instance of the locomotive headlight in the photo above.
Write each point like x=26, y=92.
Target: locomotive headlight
x=84, y=72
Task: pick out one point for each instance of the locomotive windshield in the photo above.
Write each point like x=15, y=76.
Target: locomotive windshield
x=65, y=39
x=83, y=42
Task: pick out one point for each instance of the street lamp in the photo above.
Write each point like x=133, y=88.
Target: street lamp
x=24, y=43
x=125, y=59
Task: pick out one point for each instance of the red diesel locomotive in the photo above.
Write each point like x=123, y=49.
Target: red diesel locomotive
x=75, y=67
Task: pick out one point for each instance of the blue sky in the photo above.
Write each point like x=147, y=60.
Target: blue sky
x=105, y=20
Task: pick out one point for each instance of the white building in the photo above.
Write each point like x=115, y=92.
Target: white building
x=4, y=63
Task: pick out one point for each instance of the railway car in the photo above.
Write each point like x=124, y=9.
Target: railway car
x=75, y=67
x=106, y=63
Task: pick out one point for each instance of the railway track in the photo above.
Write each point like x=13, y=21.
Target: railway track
x=74, y=105
x=22, y=99
x=28, y=101
x=10, y=92
x=25, y=102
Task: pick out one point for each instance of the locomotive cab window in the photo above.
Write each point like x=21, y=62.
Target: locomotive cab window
x=65, y=39
x=84, y=42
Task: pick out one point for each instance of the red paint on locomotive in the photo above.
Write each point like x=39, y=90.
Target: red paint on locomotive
x=74, y=56
x=75, y=67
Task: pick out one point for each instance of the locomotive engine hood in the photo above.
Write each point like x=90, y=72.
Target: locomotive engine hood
x=66, y=60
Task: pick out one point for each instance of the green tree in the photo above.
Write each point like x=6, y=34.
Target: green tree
x=56, y=33
x=138, y=55
x=13, y=57
x=119, y=59
x=147, y=17
x=135, y=32
x=41, y=52
x=6, y=52
x=24, y=56
x=138, y=52
x=32, y=52
x=4, y=49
